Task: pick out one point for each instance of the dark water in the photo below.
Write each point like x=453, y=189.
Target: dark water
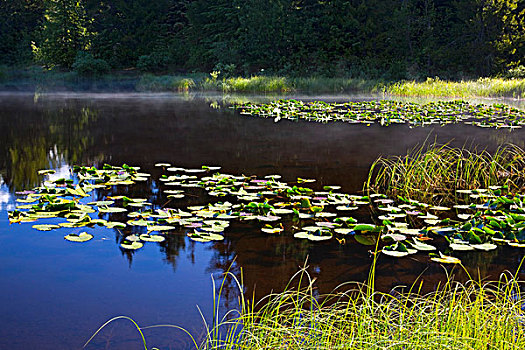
x=55, y=294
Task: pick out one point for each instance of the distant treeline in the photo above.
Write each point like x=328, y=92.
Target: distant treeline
x=366, y=38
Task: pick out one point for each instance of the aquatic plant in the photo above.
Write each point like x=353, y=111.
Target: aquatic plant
x=483, y=87
x=400, y=227
x=435, y=173
x=336, y=85
x=473, y=315
x=251, y=84
x=386, y=113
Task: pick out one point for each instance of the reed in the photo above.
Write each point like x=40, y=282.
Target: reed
x=482, y=87
x=252, y=84
x=434, y=173
x=473, y=315
x=337, y=85
x=455, y=316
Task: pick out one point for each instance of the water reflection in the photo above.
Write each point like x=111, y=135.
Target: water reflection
x=190, y=130
x=41, y=135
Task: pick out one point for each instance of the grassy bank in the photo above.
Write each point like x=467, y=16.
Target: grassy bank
x=456, y=316
x=264, y=84
x=483, y=87
x=36, y=78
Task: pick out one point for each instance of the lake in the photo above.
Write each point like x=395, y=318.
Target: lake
x=55, y=293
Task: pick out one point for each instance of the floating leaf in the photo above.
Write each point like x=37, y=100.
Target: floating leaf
x=484, y=246
x=101, y=203
x=160, y=227
x=131, y=245
x=45, y=227
x=395, y=253
x=445, y=259
x=461, y=247
x=111, y=210
x=81, y=237
x=417, y=244
x=366, y=239
x=152, y=238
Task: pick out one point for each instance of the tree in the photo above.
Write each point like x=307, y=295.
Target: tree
x=63, y=34
x=19, y=21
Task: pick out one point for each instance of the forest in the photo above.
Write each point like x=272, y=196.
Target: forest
x=404, y=39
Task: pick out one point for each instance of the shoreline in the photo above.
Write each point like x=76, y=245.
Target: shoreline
x=37, y=80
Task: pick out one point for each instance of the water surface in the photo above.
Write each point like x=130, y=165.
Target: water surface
x=55, y=294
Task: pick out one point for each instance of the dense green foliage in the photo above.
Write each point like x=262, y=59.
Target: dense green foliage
x=374, y=39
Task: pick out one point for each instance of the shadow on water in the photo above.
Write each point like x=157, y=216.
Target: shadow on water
x=57, y=131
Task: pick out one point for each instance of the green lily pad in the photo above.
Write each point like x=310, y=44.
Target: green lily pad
x=461, y=247
x=272, y=230
x=151, y=238
x=81, y=237
x=131, y=245
x=111, y=210
x=45, y=227
x=343, y=231
x=366, y=239
x=445, y=259
x=301, y=235
x=484, y=246
x=395, y=253
x=160, y=227
x=101, y=203
x=417, y=244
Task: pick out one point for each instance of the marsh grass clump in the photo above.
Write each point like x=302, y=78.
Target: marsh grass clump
x=482, y=87
x=337, y=85
x=455, y=316
x=473, y=315
x=434, y=173
x=251, y=84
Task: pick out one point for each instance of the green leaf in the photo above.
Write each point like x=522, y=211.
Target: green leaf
x=81, y=237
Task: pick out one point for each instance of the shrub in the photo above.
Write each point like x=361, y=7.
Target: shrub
x=516, y=73
x=153, y=62
x=86, y=65
x=224, y=71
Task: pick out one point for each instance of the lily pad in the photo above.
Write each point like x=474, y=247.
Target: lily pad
x=45, y=227
x=151, y=238
x=81, y=237
x=484, y=246
x=445, y=259
x=111, y=210
x=131, y=245
x=366, y=239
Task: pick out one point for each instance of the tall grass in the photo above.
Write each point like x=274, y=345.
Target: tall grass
x=483, y=87
x=252, y=84
x=434, y=173
x=336, y=85
x=456, y=316
x=473, y=315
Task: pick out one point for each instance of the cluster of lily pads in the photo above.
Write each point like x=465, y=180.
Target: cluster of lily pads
x=400, y=227
x=389, y=112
